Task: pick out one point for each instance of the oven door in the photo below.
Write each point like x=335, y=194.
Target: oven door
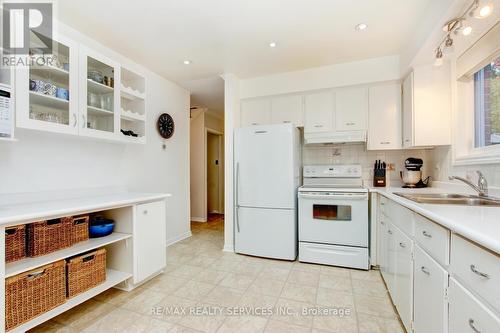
x=334, y=218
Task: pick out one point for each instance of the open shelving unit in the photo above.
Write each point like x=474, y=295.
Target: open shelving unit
x=133, y=105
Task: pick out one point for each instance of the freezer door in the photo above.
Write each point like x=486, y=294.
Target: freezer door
x=270, y=233
x=265, y=166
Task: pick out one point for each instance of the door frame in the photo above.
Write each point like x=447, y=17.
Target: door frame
x=220, y=135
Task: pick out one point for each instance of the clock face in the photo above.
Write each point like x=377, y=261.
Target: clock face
x=166, y=126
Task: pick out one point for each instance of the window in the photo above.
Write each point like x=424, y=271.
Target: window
x=332, y=212
x=487, y=104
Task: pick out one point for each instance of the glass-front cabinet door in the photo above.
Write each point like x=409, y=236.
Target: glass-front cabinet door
x=99, y=95
x=46, y=88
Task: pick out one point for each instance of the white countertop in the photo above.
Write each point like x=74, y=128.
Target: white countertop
x=32, y=210
x=478, y=223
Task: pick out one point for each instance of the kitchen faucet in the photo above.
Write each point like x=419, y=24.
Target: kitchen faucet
x=482, y=185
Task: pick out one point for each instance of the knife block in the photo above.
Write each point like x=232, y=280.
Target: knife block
x=379, y=178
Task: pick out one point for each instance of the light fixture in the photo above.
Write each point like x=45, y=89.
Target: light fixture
x=273, y=44
x=361, y=27
x=467, y=31
x=480, y=11
x=448, y=45
x=187, y=62
x=439, y=58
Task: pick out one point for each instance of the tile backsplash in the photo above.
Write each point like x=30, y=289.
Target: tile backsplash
x=357, y=154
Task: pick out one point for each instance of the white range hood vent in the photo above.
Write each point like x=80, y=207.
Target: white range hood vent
x=335, y=137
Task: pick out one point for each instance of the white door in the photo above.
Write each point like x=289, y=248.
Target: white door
x=403, y=295
x=213, y=173
x=264, y=166
x=47, y=95
x=270, y=233
x=287, y=109
x=351, y=109
x=319, y=109
x=408, y=111
x=340, y=219
x=149, y=240
x=431, y=280
x=99, y=100
x=255, y=112
x=384, y=117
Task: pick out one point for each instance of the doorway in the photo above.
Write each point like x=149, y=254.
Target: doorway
x=215, y=173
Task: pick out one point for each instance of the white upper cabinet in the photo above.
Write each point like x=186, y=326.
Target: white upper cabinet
x=427, y=107
x=351, y=109
x=384, y=117
x=319, y=112
x=287, y=109
x=47, y=94
x=99, y=95
x=256, y=112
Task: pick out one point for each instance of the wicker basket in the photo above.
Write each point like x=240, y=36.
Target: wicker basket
x=32, y=293
x=15, y=243
x=79, y=231
x=86, y=271
x=48, y=236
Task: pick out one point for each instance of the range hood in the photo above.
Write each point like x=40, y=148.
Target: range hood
x=335, y=137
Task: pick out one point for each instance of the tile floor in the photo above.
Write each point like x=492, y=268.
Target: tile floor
x=200, y=278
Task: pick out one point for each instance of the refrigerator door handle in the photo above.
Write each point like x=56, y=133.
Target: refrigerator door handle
x=237, y=196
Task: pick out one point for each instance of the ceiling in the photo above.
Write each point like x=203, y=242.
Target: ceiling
x=232, y=36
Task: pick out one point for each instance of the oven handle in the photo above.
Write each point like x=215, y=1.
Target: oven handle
x=350, y=196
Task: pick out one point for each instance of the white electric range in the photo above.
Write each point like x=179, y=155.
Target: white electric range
x=333, y=216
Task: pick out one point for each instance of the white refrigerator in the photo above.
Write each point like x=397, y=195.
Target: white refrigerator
x=267, y=175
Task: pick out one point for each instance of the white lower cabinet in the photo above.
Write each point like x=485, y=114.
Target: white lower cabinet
x=468, y=314
x=149, y=240
x=430, y=305
x=403, y=295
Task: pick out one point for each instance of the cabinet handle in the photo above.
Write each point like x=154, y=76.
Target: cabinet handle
x=407, y=140
x=145, y=212
x=473, y=269
x=318, y=126
x=403, y=245
x=385, y=143
x=286, y=121
x=382, y=222
x=389, y=232
x=83, y=121
x=471, y=324
x=75, y=119
x=255, y=123
x=423, y=269
x=426, y=234
x=350, y=124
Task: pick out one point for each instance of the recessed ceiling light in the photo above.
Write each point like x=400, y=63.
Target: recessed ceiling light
x=361, y=27
x=187, y=62
x=481, y=11
x=485, y=11
x=272, y=44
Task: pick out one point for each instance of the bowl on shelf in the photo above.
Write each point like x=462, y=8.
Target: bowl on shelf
x=100, y=227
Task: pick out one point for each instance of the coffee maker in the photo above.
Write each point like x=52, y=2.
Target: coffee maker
x=412, y=176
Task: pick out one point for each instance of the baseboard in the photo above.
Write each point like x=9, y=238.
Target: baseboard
x=198, y=219
x=228, y=248
x=176, y=239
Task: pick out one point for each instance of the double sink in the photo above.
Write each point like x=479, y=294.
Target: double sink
x=451, y=199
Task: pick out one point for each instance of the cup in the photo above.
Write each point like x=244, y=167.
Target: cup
x=62, y=93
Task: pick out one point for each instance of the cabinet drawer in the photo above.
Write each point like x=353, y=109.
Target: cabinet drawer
x=433, y=238
x=430, y=282
x=400, y=216
x=477, y=268
x=468, y=314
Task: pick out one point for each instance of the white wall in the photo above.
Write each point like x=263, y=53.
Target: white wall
x=50, y=162
x=340, y=75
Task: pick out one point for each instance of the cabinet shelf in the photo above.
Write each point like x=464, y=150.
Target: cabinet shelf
x=113, y=278
x=131, y=94
x=55, y=72
x=132, y=116
x=27, y=264
x=92, y=110
x=99, y=88
x=132, y=139
x=48, y=101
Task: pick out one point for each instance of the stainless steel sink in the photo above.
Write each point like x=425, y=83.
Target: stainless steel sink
x=451, y=199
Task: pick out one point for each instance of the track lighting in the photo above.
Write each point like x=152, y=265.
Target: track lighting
x=478, y=9
x=439, y=58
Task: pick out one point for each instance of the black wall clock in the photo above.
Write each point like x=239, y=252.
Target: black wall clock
x=166, y=126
